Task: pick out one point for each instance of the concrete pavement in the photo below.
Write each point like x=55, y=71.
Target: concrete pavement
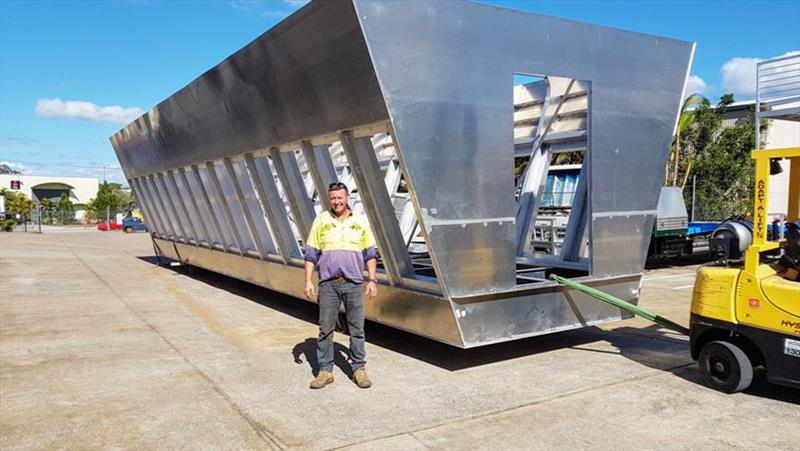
x=100, y=348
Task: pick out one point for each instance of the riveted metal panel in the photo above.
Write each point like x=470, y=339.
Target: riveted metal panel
x=451, y=118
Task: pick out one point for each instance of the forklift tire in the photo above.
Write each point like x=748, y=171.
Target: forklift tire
x=726, y=366
x=129, y=229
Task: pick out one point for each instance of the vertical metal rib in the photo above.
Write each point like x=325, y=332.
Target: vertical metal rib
x=573, y=237
x=151, y=186
x=530, y=196
x=199, y=180
x=170, y=177
x=254, y=205
x=535, y=176
x=320, y=165
x=166, y=226
x=393, y=176
x=206, y=236
x=171, y=210
x=292, y=181
x=152, y=209
x=212, y=174
x=273, y=206
x=378, y=206
x=248, y=216
x=144, y=203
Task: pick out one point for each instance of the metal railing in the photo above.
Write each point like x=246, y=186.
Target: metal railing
x=777, y=90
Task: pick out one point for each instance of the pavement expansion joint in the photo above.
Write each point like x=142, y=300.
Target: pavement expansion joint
x=647, y=374
x=268, y=437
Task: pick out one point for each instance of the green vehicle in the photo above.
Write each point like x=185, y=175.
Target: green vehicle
x=671, y=230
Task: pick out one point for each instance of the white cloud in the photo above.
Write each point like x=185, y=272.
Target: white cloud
x=79, y=109
x=266, y=8
x=248, y=6
x=695, y=85
x=16, y=166
x=739, y=75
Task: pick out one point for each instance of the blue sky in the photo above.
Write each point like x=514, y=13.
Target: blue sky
x=74, y=72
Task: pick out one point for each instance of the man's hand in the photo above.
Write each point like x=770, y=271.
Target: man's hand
x=310, y=291
x=372, y=289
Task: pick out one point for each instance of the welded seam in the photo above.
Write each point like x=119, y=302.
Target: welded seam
x=617, y=214
x=518, y=407
x=463, y=222
x=264, y=433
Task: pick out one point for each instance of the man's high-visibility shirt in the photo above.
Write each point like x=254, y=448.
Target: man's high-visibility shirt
x=340, y=248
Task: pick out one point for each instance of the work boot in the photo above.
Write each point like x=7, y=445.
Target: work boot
x=323, y=378
x=361, y=379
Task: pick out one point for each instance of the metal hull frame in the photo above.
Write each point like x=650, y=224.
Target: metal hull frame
x=469, y=323
x=420, y=95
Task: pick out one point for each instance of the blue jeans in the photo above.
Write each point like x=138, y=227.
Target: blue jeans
x=331, y=295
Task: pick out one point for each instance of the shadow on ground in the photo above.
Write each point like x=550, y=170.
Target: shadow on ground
x=308, y=349
x=651, y=346
x=667, y=350
x=415, y=346
x=677, y=262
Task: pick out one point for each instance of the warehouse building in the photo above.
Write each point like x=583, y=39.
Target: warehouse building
x=38, y=187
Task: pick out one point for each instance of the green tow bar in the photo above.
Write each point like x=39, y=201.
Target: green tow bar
x=617, y=302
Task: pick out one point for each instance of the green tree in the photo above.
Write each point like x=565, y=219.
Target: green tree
x=124, y=198
x=66, y=211
x=46, y=209
x=90, y=212
x=720, y=158
x=106, y=198
x=724, y=101
x=111, y=196
x=686, y=120
x=17, y=203
x=704, y=128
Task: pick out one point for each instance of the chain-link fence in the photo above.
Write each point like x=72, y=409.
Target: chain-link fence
x=57, y=216
x=43, y=214
x=709, y=200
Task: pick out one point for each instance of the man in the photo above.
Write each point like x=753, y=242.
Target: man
x=340, y=242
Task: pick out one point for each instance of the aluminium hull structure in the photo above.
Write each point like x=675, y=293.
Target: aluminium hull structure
x=415, y=106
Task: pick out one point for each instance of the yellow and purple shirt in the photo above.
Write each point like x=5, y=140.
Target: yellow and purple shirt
x=340, y=248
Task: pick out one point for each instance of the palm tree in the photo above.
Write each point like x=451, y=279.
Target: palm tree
x=65, y=209
x=686, y=120
x=46, y=209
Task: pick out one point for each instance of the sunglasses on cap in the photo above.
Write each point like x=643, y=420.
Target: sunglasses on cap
x=335, y=186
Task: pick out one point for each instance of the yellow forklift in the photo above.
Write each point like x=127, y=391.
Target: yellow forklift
x=747, y=313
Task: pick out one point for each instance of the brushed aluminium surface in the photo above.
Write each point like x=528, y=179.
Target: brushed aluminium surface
x=465, y=324
x=423, y=314
x=307, y=76
x=445, y=70
x=437, y=77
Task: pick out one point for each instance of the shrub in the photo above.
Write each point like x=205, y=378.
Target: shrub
x=7, y=225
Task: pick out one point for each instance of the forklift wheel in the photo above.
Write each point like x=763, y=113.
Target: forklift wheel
x=129, y=229
x=727, y=368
